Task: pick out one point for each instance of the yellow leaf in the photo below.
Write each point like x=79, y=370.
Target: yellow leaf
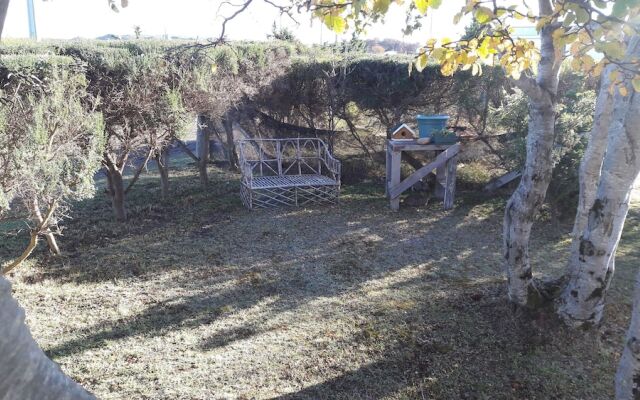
x=587, y=62
x=336, y=23
x=483, y=15
x=598, y=69
x=421, y=62
x=575, y=63
x=557, y=34
x=422, y=5
x=438, y=54
x=623, y=90
x=582, y=16
x=636, y=83
x=542, y=22
x=381, y=6
x=613, y=76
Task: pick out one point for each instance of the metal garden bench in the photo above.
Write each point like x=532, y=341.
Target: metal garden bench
x=290, y=172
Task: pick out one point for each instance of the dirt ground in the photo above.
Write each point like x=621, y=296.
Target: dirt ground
x=198, y=298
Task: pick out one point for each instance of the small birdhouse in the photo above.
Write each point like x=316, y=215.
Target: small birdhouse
x=403, y=132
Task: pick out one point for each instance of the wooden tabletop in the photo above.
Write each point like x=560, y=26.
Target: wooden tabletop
x=412, y=145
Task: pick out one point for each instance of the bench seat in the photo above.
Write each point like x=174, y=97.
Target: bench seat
x=266, y=182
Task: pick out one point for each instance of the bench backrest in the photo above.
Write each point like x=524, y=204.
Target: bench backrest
x=297, y=156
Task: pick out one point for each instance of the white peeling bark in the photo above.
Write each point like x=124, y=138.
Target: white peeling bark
x=27, y=373
x=591, y=164
x=4, y=7
x=594, y=154
x=526, y=201
x=582, y=301
x=628, y=375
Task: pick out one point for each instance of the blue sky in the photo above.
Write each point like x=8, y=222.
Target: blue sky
x=65, y=19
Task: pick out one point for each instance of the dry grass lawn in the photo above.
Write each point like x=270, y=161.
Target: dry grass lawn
x=197, y=298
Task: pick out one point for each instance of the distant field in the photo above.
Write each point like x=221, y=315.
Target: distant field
x=198, y=298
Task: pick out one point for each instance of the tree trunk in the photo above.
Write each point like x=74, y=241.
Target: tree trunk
x=4, y=6
x=591, y=165
x=27, y=373
x=227, y=122
x=526, y=201
x=162, y=159
x=594, y=154
x=116, y=192
x=203, y=137
x=592, y=267
x=44, y=226
x=141, y=168
x=33, y=242
x=628, y=375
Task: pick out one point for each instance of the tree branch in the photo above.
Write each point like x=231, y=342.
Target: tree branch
x=186, y=149
x=138, y=172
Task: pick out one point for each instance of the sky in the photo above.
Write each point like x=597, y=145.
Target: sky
x=66, y=19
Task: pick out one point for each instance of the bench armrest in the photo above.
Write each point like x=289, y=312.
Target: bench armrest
x=247, y=171
x=334, y=165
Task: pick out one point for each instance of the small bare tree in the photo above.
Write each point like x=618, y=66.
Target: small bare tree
x=52, y=148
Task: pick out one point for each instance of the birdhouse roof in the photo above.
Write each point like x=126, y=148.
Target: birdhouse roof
x=400, y=127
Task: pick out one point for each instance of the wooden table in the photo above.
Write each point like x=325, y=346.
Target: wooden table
x=445, y=164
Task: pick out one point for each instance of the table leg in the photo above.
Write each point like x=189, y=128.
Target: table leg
x=450, y=185
x=396, y=156
x=441, y=180
x=387, y=175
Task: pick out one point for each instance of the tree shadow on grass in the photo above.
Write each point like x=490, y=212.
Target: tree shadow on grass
x=333, y=261
x=461, y=345
x=470, y=345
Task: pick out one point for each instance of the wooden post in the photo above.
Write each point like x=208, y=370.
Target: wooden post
x=387, y=175
x=450, y=184
x=396, y=157
x=441, y=180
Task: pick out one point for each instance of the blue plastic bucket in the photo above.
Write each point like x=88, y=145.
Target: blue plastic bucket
x=430, y=123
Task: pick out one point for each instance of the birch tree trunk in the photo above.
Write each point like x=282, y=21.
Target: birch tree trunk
x=525, y=202
x=582, y=300
x=27, y=373
x=628, y=375
x=594, y=154
x=203, y=137
x=591, y=165
x=4, y=6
